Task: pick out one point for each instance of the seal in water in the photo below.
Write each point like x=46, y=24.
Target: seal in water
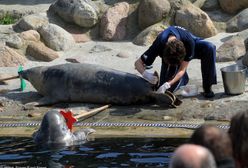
x=89, y=83
x=54, y=131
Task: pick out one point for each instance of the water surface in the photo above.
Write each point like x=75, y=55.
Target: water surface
x=101, y=153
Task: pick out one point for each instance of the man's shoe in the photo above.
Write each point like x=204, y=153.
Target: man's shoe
x=208, y=93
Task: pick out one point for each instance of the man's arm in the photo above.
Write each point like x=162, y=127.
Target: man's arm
x=150, y=77
x=180, y=73
x=139, y=66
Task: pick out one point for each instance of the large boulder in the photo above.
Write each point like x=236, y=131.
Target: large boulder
x=147, y=36
x=175, y=6
x=210, y=5
x=238, y=22
x=196, y=21
x=64, y=9
x=41, y=52
x=56, y=37
x=81, y=12
x=151, y=12
x=199, y=3
x=10, y=58
x=231, y=50
x=207, y=5
x=245, y=58
x=114, y=21
x=243, y=34
x=6, y=29
x=233, y=6
x=31, y=22
x=15, y=41
x=30, y=35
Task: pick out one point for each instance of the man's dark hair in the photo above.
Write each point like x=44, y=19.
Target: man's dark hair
x=238, y=132
x=215, y=139
x=174, y=52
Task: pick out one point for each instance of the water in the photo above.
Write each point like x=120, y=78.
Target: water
x=100, y=153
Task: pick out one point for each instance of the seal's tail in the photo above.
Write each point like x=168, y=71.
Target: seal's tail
x=167, y=98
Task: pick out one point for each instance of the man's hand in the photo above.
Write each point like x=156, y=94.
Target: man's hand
x=150, y=77
x=163, y=88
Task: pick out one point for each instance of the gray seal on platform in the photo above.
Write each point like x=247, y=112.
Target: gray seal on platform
x=89, y=83
x=54, y=131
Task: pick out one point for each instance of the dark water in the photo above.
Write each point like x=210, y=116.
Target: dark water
x=100, y=153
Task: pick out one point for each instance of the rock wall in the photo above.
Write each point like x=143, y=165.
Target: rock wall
x=66, y=23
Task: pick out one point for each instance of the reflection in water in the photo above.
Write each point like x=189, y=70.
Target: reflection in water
x=115, y=152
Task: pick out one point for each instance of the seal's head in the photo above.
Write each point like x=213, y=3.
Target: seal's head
x=54, y=131
x=34, y=76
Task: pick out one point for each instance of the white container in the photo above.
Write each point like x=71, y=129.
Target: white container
x=189, y=91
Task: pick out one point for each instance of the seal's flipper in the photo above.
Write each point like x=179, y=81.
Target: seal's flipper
x=176, y=101
x=163, y=99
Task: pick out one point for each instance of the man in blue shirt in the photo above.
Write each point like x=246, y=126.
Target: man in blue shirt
x=177, y=47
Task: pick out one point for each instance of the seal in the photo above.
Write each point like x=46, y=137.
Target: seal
x=89, y=83
x=54, y=132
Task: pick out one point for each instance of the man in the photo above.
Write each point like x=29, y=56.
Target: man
x=217, y=141
x=177, y=47
x=238, y=132
x=192, y=156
